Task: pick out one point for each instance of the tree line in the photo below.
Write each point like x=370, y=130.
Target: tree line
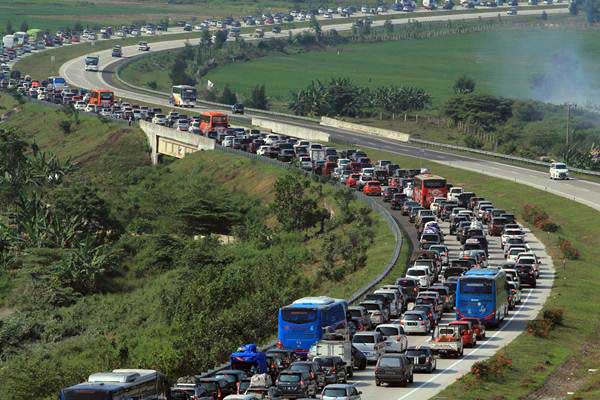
x=342, y=97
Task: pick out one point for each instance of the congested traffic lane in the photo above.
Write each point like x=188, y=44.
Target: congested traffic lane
x=448, y=370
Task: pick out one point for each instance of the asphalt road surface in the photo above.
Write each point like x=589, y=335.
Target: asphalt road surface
x=448, y=370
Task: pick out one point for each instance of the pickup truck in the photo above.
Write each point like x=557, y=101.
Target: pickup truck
x=447, y=341
x=559, y=171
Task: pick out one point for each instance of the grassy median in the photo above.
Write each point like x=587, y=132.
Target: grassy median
x=572, y=345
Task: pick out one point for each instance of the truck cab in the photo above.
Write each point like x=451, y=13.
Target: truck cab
x=447, y=340
x=559, y=171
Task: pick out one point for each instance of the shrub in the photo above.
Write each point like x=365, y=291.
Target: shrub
x=65, y=126
x=152, y=85
x=492, y=368
x=555, y=316
x=539, y=328
x=568, y=250
x=539, y=218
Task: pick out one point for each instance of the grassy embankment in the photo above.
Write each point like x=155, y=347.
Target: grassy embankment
x=575, y=291
x=153, y=269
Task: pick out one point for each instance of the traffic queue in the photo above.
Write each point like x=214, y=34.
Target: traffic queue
x=452, y=297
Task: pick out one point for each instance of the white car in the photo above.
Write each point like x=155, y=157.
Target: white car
x=420, y=273
x=368, y=172
x=159, y=119
x=305, y=163
x=143, y=46
x=342, y=162
x=42, y=96
x=91, y=108
x=263, y=150
x=514, y=252
x=511, y=233
x=395, y=339
x=435, y=204
x=271, y=139
x=371, y=344
x=559, y=171
x=195, y=128
x=454, y=192
x=106, y=112
x=228, y=141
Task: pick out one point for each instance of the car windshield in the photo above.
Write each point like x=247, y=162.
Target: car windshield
x=355, y=313
x=363, y=339
x=560, y=166
x=412, y=317
x=334, y=392
x=416, y=272
x=446, y=331
x=325, y=361
x=415, y=353
x=289, y=378
x=390, y=362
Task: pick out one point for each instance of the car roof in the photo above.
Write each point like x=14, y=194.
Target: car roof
x=339, y=386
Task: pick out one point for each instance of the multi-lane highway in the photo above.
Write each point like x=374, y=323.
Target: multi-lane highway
x=425, y=385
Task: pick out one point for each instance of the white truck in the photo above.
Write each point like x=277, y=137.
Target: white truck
x=8, y=41
x=559, y=170
x=334, y=345
x=447, y=341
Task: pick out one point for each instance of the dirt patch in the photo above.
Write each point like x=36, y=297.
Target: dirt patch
x=571, y=376
x=5, y=312
x=91, y=156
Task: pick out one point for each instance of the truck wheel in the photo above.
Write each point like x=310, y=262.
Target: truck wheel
x=462, y=352
x=377, y=383
x=412, y=378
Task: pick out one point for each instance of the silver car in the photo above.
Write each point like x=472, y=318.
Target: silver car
x=395, y=339
x=340, y=392
x=415, y=322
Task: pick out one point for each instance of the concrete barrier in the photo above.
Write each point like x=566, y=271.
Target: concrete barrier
x=369, y=130
x=163, y=140
x=291, y=129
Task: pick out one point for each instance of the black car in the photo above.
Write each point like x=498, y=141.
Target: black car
x=359, y=359
x=410, y=287
x=423, y=358
x=295, y=385
x=397, y=201
x=526, y=274
x=394, y=368
x=314, y=371
x=233, y=378
x=237, y=108
x=335, y=369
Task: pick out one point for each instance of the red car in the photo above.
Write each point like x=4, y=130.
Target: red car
x=372, y=188
x=469, y=337
x=352, y=180
x=477, y=326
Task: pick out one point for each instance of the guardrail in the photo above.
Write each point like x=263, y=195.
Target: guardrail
x=427, y=143
x=382, y=211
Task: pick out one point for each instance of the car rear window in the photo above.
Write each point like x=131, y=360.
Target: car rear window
x=363, y=339
x=289, y=377
x=412, y=317
x=390, y=362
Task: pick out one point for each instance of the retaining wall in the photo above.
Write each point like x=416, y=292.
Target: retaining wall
x=291, y=129
x=369, y=130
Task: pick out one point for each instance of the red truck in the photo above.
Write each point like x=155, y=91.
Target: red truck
x=467, y=333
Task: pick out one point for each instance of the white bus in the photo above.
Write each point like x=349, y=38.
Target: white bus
x=120, y=384
x=183, y=96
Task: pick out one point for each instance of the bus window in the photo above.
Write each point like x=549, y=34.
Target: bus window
x=476, y=286
x=298, y=315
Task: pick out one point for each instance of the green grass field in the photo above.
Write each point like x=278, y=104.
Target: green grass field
x=501, y=62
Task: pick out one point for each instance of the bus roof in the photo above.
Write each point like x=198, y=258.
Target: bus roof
x=318, y=301
x=214, y=113
x=426, y=177
x=483, y=272
x=117, y=379
x=183, y=87
x=101, y=90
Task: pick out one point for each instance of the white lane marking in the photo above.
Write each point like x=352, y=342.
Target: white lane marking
x=433, y=378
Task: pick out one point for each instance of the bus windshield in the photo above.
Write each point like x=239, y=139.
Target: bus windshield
x=299, y=315
x=106, y=95
x=219, y=120
x=434, y=183
x=189, y=94
x=476, y=286
x=87, y=394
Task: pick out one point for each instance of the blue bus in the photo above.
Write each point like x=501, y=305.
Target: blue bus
x=482, y=293
x=303, y=323
x=120, y=384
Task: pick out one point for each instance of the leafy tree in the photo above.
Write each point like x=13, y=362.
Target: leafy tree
x=483, y=111
x=178, y=73
x=316, y=27
x=24, y=27
x=294, y=209
x=220, y=38
x=228, y=96
x=258, y=98
x=388, y=27
x=464, y=85
x=205, y=38
x=77, y=27
x=9, y=28
x=526, y=111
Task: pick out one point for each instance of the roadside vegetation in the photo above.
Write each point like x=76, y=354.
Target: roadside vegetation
x=107, y=261
x=568, y=344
